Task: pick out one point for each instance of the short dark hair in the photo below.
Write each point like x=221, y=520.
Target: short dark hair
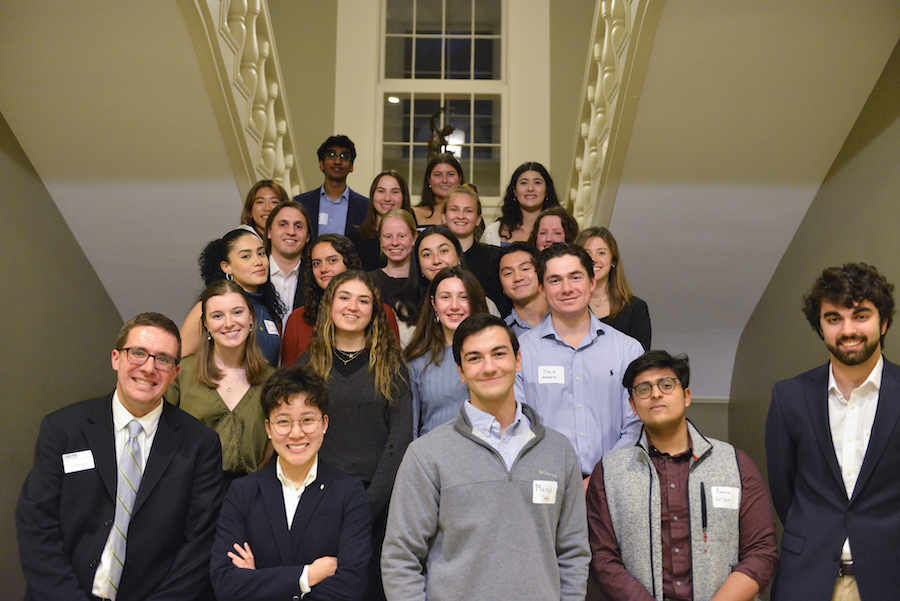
x=288, y=381
x=658, y=360
x=338, y=140
x=476, y=323
x=155, y=320
x=845, y=286
x=519, y=247
x=554, y=251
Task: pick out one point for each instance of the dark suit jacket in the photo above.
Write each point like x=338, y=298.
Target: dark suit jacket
x=332, y=520
x=356, y=212
x=63, y=520
x=809, y=495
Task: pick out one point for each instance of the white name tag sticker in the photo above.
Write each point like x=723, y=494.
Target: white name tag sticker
x=551, y=374
x=271, y=328
x=726, y=497
x=78, y=461
x=323, y=218
x=544, y=492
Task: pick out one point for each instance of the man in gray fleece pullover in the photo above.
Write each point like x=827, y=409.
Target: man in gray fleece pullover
x=491, y=505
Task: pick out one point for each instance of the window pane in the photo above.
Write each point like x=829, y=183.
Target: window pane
x=428, y=58
x=487, y=17
x=486, y=127
x=459, y=16
x=425, y=107
x=428, y=16
x=396, y=118
x=398, y=57
x=487, y=61
x=458, y=57
x=399, y=16
x=486, y=170
x=392, y=158
x=420, y=159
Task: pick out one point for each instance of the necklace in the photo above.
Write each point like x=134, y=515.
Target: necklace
x=349, y=356
x=599, y=300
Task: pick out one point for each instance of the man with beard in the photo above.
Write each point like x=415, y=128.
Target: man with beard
x=833, y=449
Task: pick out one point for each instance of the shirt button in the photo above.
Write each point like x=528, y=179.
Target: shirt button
x=674, y=518
x=671, y=486
x=678, y=583
x=581, y=434
x=677, y=551
x=579, y=405
x=578, y=378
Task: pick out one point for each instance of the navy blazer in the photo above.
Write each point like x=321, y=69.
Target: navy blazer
x=332, y=520
x=356, y=212
x=810, y=498
x=63, y=519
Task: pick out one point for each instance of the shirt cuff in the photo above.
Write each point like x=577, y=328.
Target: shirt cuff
x=304, y=580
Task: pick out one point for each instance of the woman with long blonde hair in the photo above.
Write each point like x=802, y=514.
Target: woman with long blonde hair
x=359, y=356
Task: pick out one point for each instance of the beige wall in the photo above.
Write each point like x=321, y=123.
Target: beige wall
x=570, y=47
x=305, y=35
x=60, y=327
x=854, y=217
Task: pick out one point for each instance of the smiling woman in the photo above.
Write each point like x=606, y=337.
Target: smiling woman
x=453, y=295
x=389, y=192
x=240, y=256
x=264, y=196
x=371, y=412
x=221, y=384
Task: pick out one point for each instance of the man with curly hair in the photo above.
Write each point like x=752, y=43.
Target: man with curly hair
x=833, y=448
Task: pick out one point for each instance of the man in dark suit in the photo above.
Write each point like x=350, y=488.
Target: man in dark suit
x=297, y=527
x=334, y=208
x=68, y=517
x=833, y=449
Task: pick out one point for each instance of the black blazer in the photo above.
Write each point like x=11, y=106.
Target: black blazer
x=63, y=520
x=811, y=501
x=332, y=519
x=356, y=211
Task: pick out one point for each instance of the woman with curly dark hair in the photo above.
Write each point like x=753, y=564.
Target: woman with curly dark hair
x=241, y=256
x=443, y=174
x=529, y=192
x=328, y=256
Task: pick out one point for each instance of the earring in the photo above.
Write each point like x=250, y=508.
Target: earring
x=229, y=277
x=209, y=336
x=436, y=320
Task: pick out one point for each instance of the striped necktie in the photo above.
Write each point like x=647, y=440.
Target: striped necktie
x=129, y=480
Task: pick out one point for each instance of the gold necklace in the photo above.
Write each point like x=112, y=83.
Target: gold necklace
x=350, y=355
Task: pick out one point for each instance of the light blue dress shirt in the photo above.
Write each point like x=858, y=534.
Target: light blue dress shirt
x=333, y=212
x=509, y=444
x=437, y=391
x=579, y=392
x=518, y=325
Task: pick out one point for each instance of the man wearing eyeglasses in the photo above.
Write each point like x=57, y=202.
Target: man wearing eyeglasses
x=123, y=497
x=675, y=515
x=334, y=208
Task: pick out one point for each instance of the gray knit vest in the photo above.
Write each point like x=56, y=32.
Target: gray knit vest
x=632, y=494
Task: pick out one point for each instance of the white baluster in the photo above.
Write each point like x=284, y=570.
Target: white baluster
x=262, y=88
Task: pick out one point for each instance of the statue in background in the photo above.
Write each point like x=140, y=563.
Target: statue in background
x=437, y=143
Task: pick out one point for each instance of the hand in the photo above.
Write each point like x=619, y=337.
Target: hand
x=320, y=569
x=244, y=557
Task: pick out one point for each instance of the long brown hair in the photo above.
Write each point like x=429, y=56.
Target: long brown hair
x=385, y=360
x=254, y=362
x=368, y=229
x=428, y=336
x=246, y=216
x=427, y=198
x=619, y=292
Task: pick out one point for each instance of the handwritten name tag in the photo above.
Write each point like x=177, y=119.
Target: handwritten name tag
x=726, y=497
x=544, y=492
x=551, y=374
x=271, y=328
x=323, y=218
x=78, y=461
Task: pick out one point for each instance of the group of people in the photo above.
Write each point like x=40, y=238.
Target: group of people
x=395, y=404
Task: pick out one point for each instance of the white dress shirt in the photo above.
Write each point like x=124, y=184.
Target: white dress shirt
x=851, y=422
x=292, y=496
x=121, y=418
